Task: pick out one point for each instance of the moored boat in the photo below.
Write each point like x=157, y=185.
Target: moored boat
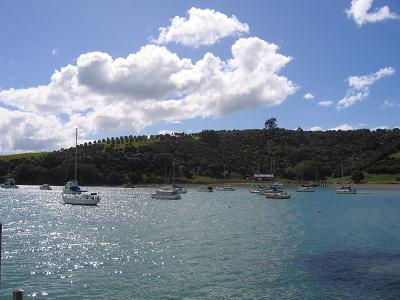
x=345, y=189
x=9, y=184
x=72, y=193
x=277, y=195
x=206, y=188
x=305, y=189
x=166, y=193
x=225, y=188
x=45, y=187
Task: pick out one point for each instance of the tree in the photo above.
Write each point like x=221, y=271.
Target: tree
x=270, y=123
x=357, y=176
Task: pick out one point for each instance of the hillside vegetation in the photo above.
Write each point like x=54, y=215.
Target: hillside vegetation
x=205, y=155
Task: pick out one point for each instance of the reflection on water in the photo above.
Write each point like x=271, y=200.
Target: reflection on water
x=207, y=245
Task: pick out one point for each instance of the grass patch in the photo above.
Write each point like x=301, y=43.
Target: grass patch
x=21, y=155
x=395, y=155
x=380, y=178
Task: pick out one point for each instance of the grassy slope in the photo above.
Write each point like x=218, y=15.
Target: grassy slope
x=395, y=155
x=21, y=155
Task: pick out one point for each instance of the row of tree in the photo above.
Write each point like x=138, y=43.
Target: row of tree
x=208, y=153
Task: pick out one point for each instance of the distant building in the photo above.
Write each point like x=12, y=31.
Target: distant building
x=262, y=177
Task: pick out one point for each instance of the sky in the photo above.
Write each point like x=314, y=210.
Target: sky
x=119, y=67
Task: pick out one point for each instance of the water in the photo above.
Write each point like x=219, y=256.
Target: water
x=221, y=245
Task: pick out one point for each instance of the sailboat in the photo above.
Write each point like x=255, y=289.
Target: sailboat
x=304, y=188
x=72, y=193
x=225, y=187
x=178, y=189
x=345, y=189
x=169, y=192
x=10, y=182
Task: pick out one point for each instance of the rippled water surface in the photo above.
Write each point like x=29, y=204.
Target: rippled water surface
x=208, y=245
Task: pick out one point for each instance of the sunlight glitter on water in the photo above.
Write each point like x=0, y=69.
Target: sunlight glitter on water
x=235, y=245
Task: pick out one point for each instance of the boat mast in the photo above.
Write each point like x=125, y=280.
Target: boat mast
x=342, y=173
x=76, y=152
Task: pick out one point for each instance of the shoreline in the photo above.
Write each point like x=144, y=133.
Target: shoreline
x=387, y=186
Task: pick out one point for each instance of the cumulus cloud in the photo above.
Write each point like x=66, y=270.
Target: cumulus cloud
x=316, y=128
x=54, y=51
x=359, y=87
x=360, y=12
x=201, y=27
x=25, y=131
x=100, y=94
x=343, y=127
x=308, y=96
x=325, y=103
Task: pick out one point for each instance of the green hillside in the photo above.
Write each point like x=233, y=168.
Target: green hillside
x=203, y=157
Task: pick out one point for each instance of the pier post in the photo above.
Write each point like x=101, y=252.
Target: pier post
x=18, y=294
x=1, y=233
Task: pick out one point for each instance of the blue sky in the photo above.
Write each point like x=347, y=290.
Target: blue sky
x=326, y=46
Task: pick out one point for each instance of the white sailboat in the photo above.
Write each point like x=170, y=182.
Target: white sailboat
x=304, y=188
x=345, y=189
x=225, y=187
x=166, y=193
x=72, y=193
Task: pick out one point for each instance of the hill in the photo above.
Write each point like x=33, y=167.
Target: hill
x=204, y=156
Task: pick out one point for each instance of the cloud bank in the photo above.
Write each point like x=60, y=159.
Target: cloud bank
x=360, y=12
x=101, y=94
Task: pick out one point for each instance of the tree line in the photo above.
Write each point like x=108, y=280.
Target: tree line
x=238, y=153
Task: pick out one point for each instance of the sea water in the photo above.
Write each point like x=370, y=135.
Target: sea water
x=220, y=245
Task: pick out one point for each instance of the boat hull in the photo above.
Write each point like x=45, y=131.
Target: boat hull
x=81, y=199
x=165, y=197
x=277, y=196
x=346, y=192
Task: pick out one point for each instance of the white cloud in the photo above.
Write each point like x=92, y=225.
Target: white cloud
x=316, y=128
x=201, y=27
x=325, y=103
x=25, y=131
x=343, y=127
x=359, y=87
x=361, y=82
x=164, y=132
x=389, y=104
x=308, y=96
x=54, y=51
x=360, y=12
x=380, y=127
x=102, y=94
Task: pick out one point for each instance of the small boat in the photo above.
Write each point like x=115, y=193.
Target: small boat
x=277, y=195
x=206, y=188
x=9, y=184
x=45, y=187
x=72, y=193
x=305, y=189
x=166, y=193
x=255, y=190
x=179, y=189
x=225, y=188
x=345, y=189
